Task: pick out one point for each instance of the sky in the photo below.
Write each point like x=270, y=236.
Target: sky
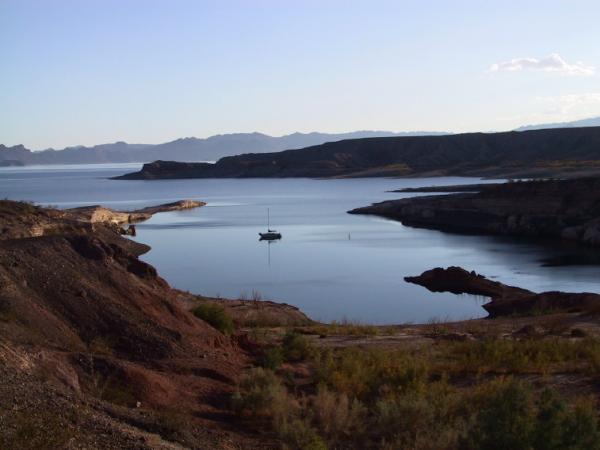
x=85, y=72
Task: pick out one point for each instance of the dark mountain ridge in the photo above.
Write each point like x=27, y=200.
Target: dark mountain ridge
x=538, y=153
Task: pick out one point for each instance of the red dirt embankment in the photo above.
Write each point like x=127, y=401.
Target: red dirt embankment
x=87, y=327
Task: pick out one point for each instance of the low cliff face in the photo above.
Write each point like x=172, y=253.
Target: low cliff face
x=94, y=343
x=538, y=153
x=568, y=209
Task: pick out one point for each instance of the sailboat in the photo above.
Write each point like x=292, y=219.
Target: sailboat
x=270, y=235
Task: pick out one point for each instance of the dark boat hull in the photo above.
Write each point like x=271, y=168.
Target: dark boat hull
x=269, y=236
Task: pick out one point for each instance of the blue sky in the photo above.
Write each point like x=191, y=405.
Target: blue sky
x=95, y=71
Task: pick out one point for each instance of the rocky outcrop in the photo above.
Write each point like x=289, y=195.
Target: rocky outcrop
x=168, y=207
x=505, y=300
x=539, y=153
x=567, y=209
x=100, y=214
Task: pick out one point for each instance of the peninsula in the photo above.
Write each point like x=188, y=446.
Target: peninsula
x=560, y=209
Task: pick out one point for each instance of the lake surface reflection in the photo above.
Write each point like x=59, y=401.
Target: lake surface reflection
x=331, y=264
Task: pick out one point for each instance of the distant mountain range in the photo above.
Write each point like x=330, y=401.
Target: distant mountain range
x=185, y=149
x=562, y=152
x=213, y=148
x=592, y=122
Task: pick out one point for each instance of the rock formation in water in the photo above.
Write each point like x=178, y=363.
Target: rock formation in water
x=505, y=300
x=566, y=209
x=539, y=153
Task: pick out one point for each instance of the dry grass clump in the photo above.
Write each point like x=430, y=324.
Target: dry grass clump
x=346, y=328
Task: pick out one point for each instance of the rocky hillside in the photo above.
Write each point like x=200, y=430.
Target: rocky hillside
x=95, y=349
x=568, y=209
x=539, y=153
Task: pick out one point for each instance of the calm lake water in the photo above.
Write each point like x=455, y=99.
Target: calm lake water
x=331, y=264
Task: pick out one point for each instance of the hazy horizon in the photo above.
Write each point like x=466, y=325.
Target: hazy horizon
x=234, y=133
x=85, y=73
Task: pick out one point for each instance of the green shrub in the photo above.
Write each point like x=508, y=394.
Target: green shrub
x=365, y=374
x=272, y=358
x=580, y=428
x=336, y=415
x=510, y=417
x=215, y=316
x=550, y=416
x=299, y=435
x=262, y=395
x=296, y=347
x=505, y=419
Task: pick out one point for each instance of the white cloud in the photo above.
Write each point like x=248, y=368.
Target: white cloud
x=567, y=104
x=551, y=63
x=560, y=108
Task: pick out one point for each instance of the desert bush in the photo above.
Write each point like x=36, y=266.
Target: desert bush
x=296, y=347
x=215, y=316
x=272, y=358
x=580, y=430
x=262, y=395
x=299, y=435
x=511, y=416
x=428, y=420
x=366, y=374
x=337, y=416
x=505, y=418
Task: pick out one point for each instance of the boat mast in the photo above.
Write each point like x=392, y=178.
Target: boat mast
x=268, y=220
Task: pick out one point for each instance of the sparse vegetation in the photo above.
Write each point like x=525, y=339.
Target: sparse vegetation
x=346, y=328
x=428, y=398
